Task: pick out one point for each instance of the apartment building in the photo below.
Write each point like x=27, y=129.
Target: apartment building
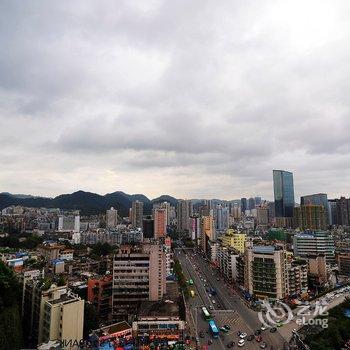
x=234, y=240
x=265, y=272
x=62, y=318
x=139, y=274
x=227, y=261
x=314, y=243
x=297, y=277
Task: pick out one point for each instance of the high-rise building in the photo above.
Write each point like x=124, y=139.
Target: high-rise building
x=343, y=211
x=139, y=274
x=221, y=215
x=310, y=217
x=318, y=199
x=111, y=218
x=244, y=205
x=183, y=215
x=314, y=243
x=137, y=214
x=265, y=272
x=148, y=227
x=195, y=228
x=284, y=193
x=207, y=231
x=262, y=216
x=69, y=223
x=251, y=203
x=160, y=222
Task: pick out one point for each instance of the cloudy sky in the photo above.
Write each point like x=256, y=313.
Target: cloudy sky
x=191, y=98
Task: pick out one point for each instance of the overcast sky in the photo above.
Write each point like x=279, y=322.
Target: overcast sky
x=191, y=98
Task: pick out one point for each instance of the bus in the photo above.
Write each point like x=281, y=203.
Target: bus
x=192, y=293
x=206, y=313
x=190, y=282
x=213, y=329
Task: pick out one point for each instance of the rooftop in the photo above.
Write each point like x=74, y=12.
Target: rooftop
x=156, y=308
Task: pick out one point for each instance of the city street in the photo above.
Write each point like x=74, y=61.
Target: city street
x=226, y=306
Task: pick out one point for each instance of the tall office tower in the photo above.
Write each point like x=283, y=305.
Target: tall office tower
x=318, y=199
x=160, y=222
x=207, y=231
x=284, y=193
x=343, y=211
x=244, y=205
x=62, y=318
x=314, y=243
x=111, y=218
x=183, y=215
x=69, y=223
x=257, y=200
x=139, y=274
x=333, y=211
x=251, y=203
x=137, y=214
x=265, y=269
x=310, y=217
x=148, y=227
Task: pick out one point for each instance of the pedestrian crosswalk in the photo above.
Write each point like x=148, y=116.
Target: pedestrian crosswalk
x=228, y=317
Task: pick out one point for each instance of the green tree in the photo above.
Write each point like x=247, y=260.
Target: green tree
x=10, y=321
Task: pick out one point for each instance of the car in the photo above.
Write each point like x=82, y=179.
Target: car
x=211, y=307
x=219, y=306
x=250, y=337
x=273, y=329
x=210, y=342
x=201, y=334
x=197, y=340
x=258, y=338
x=257, y=332
x=227, y=326
x=279, y=324
x=263, y=327
x=263, y=345
x=231, y=344
x=217, y=278
x=223, y=329
x=243, y=335
x=209, y=295
x=241, y=342
x=239, y=333
x=213, y=301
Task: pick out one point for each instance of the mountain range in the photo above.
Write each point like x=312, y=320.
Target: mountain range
x=92, y=203
x=88, y=203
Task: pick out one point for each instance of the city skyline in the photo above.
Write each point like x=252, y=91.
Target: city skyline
x=192, y=100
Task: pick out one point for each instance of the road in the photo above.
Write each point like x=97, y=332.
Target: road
x=227, y=307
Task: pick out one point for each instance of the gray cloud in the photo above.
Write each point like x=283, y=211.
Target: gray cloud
x=200, y=98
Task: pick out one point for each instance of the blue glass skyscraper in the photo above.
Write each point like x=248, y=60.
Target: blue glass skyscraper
x=284, y=193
